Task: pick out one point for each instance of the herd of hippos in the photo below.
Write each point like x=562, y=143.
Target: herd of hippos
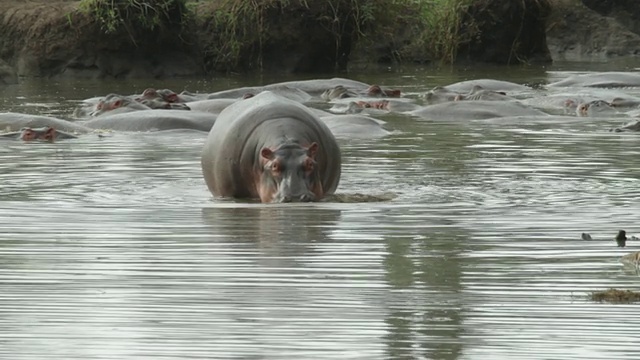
x=277, y=144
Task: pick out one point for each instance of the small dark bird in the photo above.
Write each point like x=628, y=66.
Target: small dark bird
x=621, y=238
x=586, y=236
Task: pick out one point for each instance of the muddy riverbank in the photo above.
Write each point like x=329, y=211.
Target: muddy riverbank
x=61, y=39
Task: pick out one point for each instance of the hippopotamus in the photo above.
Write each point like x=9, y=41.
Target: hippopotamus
x=609, y=79
x=154, y=120
x=288, y=92
x=341, y=92
x=480, y=93
x=271, y=148
x=441, y=94
x=15, y=122
x=470, y=110
x=355, y=126
x=311, y=87
x=164, y=95
x=376, y=107
x=632, y=126
x=596, y=108
x=117, y=104
x=214, y=106
x=45, y=133
x=487, y=84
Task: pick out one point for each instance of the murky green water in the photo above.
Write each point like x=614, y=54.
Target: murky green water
x=113, y=248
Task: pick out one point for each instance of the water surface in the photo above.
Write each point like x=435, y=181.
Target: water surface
x=113, y=248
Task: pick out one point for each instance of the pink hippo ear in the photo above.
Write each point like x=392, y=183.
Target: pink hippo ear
x=312, y=150
x=266, y=153
x=117, y=104
x=50, y=134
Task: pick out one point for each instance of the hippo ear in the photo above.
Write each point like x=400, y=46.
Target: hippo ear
x=117, y=104
x=50, y=134
x=267, y=153
x=312, y=150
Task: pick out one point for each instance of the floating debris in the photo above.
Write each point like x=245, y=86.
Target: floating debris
x=621, y=238
x=586, y=236
x=616, y=296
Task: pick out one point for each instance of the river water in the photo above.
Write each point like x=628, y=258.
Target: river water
x=113, y=248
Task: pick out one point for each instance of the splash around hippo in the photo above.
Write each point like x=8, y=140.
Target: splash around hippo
x=273, y=149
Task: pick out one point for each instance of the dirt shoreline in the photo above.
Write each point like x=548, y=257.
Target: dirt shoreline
x=43, y=38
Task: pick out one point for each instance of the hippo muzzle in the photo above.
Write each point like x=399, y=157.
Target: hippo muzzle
x=289, y=174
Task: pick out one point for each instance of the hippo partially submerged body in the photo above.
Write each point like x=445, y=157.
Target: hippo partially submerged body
x=273, y=149
x=46, y=133
x=10, y=121
x=154, y=120
x=610, y=79
x=472, y=110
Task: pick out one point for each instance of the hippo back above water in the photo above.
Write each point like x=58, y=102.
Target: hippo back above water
x=271, y=148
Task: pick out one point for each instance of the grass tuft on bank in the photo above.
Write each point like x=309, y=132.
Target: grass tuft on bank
x=136, y=17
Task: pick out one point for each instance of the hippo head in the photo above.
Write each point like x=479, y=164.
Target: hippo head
x=337, y=92
x=169, y=96
x=377, y=91
x=44, y=134
x=289, y=174
x=149, y=93
x=595, y=108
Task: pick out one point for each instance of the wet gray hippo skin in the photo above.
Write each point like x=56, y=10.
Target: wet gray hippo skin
x=273, y=149
x=355, y=126
x=612, y=79
x=154, y=120
x=487, y=84
x=214, y=106
x=16, y=121
x=480, y=93
x=310, y=87
x=470, y=110
x=288, y=92
x=47, y=134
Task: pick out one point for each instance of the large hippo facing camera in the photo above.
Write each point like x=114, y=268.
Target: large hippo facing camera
x=271, y=148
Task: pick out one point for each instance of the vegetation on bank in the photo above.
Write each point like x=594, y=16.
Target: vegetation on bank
x=138, y=19
x=242, y=31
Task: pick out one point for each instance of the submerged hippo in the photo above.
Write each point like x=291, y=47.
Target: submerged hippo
x=487, y=84
x=154, y=120
x=288, y=92
x=45, y=133
x=16, y=121
x=376, y=107
x=273, y=149
x=596, y=108
x=341, y=92
x=632, y=126
x=610, y=79
x=470, y=110
x=355, y=126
